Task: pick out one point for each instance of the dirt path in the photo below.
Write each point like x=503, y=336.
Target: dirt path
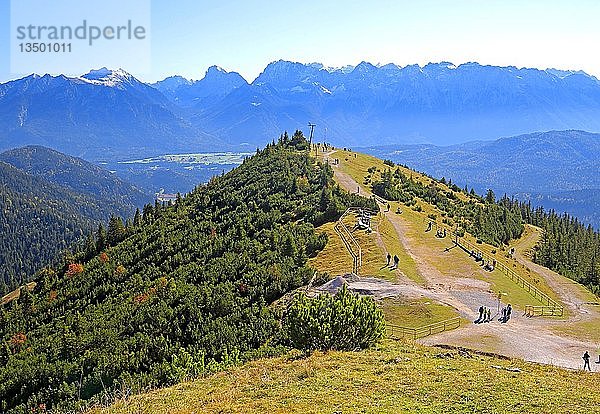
x=529, y=338
x=572, y=295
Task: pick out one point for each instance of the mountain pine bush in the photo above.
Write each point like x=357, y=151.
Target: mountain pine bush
x=344, y=321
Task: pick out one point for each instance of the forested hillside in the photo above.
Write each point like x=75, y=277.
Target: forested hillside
x=115, y=195
x=38, y=219
x=183, y=290
x=48, y=202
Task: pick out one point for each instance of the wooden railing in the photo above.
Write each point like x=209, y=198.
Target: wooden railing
x=549, y=306
x=349, y=240
x=532, y=310
x=402, y=332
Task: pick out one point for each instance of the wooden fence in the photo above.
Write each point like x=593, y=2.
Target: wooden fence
x=532, y=310
x=402, y=332
x=348, y=238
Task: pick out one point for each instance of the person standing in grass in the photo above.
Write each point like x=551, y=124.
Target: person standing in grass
x=396, y=261
x=586, y=361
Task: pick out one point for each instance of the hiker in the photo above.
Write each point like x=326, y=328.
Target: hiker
x=480, y=313
x=444, y=233
x=388, y=207
x=389, y=257
x=598, y=362
x=586, y=361
x=508, y=312
x=396, y=261
x=503, y=317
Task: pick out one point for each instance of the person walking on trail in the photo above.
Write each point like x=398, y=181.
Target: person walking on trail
x=508, y=312
x=396, y=261
x=488, y=315
x=586, y=361
x=389, y=257
x=481, y=309
x=388, y=207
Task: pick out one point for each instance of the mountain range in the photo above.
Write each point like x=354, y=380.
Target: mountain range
x=363, y=105
x=110, y=113
x=96, y=116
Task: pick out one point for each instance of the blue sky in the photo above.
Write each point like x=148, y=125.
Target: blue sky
x=190, y=35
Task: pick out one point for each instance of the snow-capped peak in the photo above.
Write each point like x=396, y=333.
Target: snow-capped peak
x=108, y=77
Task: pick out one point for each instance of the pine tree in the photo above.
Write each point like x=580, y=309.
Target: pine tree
x=100, y=238
x=137, y=219
x=116, y=231
x=490, y=197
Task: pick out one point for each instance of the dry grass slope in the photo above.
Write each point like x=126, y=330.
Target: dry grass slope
x=396, y=378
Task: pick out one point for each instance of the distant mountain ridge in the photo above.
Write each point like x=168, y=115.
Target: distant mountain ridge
x=556, y=169
x=108, y=113
x=439, y=103
x=98, y=115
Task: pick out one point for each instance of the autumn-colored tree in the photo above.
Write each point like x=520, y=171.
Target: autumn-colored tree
x=74, y=269
x=104, y=257
x=17, y=341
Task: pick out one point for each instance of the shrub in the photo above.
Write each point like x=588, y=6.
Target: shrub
x=17, y=341
x=74, y=269
x=104, y=257
x=341, y=322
